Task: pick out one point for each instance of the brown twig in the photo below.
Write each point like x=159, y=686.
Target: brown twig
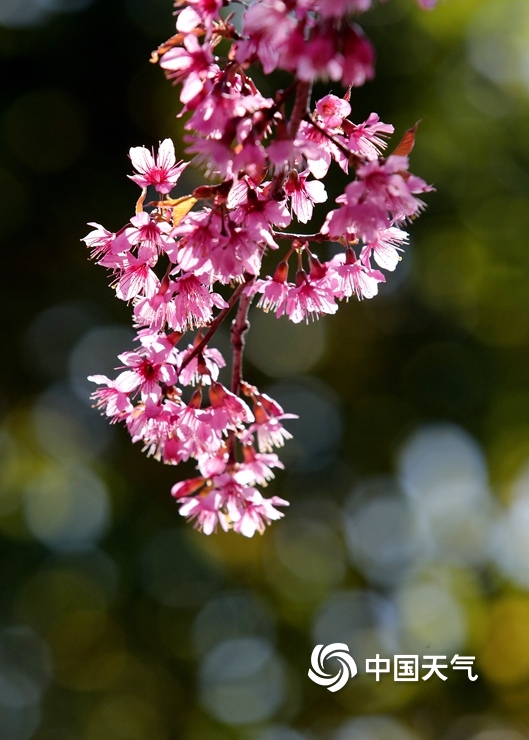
x=350, y=155
x=303, y=237
x=239, y=327
x=217, y=321
x=299, y=112
x=301, y=107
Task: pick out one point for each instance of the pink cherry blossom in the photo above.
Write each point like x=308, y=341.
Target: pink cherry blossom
x=192, y=65
x=353, y=277
x=197, y=12
x=189, y=262
x=332, y=111
x=162, y=172
x=269, y=25
x=112, y=398
x=365, y=139
x=273, y=292
x=135, y=278
x=202, y=368
x=99, y=241
x=358, y=58
x=149, y=370
x=304, y=194
x=385, y=248
x=259, y=465
x=339, y=8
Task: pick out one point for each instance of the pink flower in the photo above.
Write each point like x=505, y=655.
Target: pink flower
x=365, y=138
x=192, y=65
x=149, y=369
x=319, y=150
x=199, y=232
x=228, y=501
x=389, y=183
x=268, y=24
x=147, y=235
x=353, y=277
x=215, y=114
x=274, y=292
x=384, y=248
x=257, y=512
x=196, y=429
x=162, y=172
x=192, y=303
x=112, y=399
x=255, y=209
x=317, y=58
x=307, y=299
x=197, y=12
x=339, y=8
x=99, y=241
x=228, y=410
x=136, y=277
x=304, y=194
x=203, y=368
x=332, y=111
x=206, y=510
x=358, y=58
x=270, y=432
x=259, y=465
x=240, y=251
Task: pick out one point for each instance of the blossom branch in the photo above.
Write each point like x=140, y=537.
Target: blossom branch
x=337, y=143
x=239, y=327
x=301, y=107
x=215, y=324
x=219, y=235
x=302, y=237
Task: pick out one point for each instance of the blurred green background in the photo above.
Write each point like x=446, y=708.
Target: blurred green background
x=408, y=477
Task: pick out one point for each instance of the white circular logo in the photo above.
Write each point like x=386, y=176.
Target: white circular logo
x=337, y=650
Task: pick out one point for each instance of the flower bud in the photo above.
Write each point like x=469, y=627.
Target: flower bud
x=196, y=399
x=350, y=256
x=301, y=277
x=317, y=270
x=281, y=273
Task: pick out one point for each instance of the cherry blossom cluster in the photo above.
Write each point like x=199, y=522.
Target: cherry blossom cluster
x=185, y=263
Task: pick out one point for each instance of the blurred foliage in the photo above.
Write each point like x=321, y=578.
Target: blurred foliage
x=409, y=472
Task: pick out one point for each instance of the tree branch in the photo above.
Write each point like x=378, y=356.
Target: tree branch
x=239, y=327
x=217, y=321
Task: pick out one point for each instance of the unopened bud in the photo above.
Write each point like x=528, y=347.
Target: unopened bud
x=187, y=487
x=301, y=277
x=350, y=256
x=293, y=179
x=248, y=453
x=164, y=285
x=281, y=273
x=216, y=395
x=261, y=417
x=174, y=337
x=196, y=399
x=317, y=270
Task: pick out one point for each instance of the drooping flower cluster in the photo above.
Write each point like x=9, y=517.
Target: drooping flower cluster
x=184, y=263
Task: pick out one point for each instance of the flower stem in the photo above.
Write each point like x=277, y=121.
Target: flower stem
x=215, y=324
x=239, y=327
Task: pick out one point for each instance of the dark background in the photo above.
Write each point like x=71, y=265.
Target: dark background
x=409, y=472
